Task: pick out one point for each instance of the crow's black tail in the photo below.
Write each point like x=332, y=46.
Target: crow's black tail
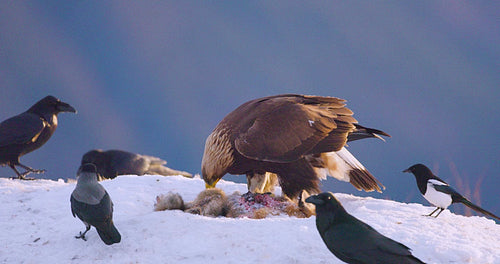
x=477, y=208
x=108, y=233
x=364, y=132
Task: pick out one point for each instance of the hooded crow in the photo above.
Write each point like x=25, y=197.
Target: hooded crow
x=438, y=192
x=112, y=163
x=298, y=138
x=92, y=204
x=352, y=240
x=28, y=131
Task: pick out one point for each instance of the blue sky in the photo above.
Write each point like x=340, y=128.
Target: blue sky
x=156, y=77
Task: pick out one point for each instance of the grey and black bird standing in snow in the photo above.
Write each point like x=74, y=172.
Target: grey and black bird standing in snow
x=92, y=204
x=298, y=138
x=28, y=131
x=112, y=163
x=352, y=240
x=438, y=192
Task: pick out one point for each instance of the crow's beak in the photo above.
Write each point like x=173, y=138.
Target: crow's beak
x=65, y=107
x=407, y=170
x=314, y=200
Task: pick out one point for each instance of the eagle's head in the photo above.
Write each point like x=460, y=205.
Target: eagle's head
x=217, y=157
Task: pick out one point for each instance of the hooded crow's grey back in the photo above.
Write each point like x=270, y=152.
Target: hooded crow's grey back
x=92, y=204
x=350, y=239
x=28, y=131
x=112, y=163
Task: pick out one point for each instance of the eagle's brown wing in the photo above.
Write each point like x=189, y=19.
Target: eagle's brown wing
x=284, y=128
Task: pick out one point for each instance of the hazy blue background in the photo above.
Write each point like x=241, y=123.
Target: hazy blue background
x=156, y=77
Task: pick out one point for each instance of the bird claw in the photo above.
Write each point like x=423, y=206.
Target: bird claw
x=27, y=179
x=32, y=171
x=82, y=236
x=29, y=171
x=430, y=215
x=22, y=177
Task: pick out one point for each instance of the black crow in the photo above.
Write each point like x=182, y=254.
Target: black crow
x=92, y=204
x=112, y=163
x=298, y=138
x=438, y=192
x=350, y=239
x=28, y=131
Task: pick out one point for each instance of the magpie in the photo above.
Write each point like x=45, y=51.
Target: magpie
x=352, y=240
x=92, y=204
x=438, y=192
x=28, y=131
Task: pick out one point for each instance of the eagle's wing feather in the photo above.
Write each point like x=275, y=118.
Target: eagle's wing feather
x=286, y=128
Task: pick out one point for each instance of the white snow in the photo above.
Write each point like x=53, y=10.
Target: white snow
x=37, y=227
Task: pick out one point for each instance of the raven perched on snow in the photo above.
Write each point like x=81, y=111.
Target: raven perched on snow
x=92, y=204
x=350, y=239
x=112, y=163
x=28, y=131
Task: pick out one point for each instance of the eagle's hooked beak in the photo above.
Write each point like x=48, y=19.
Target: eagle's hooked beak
x=212, y=185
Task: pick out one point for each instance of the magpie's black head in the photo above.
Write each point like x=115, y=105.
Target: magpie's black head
x=51, y=105
x=420, y=171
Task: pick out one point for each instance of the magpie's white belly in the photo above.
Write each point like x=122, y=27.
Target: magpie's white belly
x=436, y=198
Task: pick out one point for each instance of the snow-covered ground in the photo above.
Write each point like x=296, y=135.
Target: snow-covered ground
x=37, y=227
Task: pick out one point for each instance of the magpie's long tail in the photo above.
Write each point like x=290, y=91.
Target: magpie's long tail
x=477, y=208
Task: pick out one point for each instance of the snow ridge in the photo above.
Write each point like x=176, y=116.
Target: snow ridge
x=37, y=227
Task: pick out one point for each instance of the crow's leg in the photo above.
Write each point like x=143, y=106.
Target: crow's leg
x=20, y=176
x=82, y=236
x=31, y=169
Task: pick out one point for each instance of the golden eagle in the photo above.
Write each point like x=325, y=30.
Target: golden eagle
x=298, y=138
